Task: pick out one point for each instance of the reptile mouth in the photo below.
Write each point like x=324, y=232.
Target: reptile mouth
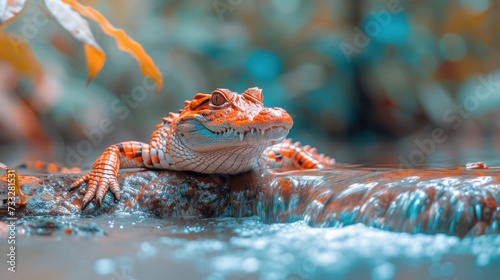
x=201, y=136
x=249, y=131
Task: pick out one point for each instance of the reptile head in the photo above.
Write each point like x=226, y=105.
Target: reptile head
x=225, y=119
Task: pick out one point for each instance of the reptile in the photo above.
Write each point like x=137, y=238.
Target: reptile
x=219, y=133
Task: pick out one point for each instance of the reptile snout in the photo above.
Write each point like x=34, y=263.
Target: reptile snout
x=274, y=115
x=275, y=111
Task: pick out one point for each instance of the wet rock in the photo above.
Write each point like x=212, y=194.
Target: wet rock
x=161, y=193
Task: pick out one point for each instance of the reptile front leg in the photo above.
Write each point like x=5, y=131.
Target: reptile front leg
x=292, y=155
x=103, y=175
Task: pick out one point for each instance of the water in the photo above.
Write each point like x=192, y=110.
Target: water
x=454, y=202
x=134, y=246
x=347, y=223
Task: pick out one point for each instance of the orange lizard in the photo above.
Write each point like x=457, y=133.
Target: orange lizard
x=221, y=133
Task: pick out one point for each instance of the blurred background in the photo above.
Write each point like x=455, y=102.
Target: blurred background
x=405, y=83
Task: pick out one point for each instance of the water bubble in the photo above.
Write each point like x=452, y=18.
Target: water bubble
x=383, y=271
x=251, y=265
x=146, y=250
x=104, y=266
x=483, y=259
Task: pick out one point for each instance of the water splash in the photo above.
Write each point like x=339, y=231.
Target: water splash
x=432, y=202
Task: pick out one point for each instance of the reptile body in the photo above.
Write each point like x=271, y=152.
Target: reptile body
x=218, y=133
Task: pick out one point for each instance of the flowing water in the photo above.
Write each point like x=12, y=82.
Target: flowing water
x=134, y=246
x=335, y=224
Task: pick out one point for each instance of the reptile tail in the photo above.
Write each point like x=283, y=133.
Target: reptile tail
x=48, y=167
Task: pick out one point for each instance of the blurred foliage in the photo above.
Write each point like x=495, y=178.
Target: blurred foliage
x=360, y=78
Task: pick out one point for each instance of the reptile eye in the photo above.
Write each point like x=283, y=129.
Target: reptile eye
x=218, y=99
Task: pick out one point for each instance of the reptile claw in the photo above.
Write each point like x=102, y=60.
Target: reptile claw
x=97, y=186
x=84, y=204
x=115, y=189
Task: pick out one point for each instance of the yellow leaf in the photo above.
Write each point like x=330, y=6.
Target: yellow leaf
x=73, y=22
x=95, y=61
x=15, y=51
x=125, y=43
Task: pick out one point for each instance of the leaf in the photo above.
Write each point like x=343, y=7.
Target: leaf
x=125, y=43
x=10, y=8
x=95, y=61
x=79, y=28
x=15, y=51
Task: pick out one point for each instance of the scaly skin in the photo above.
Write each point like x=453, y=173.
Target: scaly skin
x=222, y=132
